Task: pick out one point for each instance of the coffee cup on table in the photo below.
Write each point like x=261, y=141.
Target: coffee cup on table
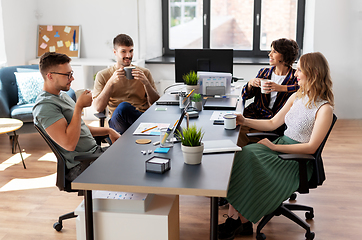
x=128, y=71
x=262, y=82
x=229, y=121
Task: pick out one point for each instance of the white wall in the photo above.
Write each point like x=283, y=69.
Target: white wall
x=332, y=27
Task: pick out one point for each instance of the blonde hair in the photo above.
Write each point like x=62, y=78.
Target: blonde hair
x=319, y=83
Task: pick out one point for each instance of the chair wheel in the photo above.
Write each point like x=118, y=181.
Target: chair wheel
x=293, y=197
x=310, y=236
x=260, y=236
x=57, y=226
x=309, y=215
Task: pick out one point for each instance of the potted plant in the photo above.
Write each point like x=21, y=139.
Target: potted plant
x=191, y=80
x=197, y=100
x=191, y=145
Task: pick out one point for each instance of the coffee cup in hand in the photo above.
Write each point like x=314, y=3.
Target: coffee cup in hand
x=262, y=86
x=128, y=71
x=229, y=121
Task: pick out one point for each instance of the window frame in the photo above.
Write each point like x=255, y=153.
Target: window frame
x=255, y=52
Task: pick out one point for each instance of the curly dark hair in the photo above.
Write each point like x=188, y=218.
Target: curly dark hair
x=288, y=48
x=122, y=40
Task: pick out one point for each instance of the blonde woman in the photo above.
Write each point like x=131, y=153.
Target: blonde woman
x=260, y=181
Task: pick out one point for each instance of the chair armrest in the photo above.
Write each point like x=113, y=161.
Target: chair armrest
x=272, y=136
x=100, y=115
x=302, y=159
x=87, y=157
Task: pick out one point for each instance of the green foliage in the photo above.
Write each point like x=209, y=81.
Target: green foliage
x=191, y=136
x=196, y=97
x=190, y=78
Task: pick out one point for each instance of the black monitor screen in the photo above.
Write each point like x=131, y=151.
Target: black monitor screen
x=208, y=60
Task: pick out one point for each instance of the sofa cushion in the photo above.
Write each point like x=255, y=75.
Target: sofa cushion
x=30, y=84
x=23, y=112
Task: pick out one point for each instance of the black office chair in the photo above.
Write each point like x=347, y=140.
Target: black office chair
x=316, y=180
x=62, y=183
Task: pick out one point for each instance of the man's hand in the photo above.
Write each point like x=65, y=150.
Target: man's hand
x=117, y=75
x=113, y=135
x=240, y=119
x=85, y=99
x=138, y=74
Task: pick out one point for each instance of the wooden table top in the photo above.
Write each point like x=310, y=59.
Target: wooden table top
x=9, y=125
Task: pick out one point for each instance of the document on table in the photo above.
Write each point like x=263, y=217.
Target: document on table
x=219, y=115
x=150, y=128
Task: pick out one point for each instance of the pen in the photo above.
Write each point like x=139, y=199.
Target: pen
x=148, y=129
x=168, y=132
x=188, y=95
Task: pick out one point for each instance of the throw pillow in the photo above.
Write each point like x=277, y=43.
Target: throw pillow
x=30, y=84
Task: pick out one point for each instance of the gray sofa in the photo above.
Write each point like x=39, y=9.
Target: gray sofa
x=9, y=99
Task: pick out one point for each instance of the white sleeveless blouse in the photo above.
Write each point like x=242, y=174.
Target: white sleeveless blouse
x=300, y=119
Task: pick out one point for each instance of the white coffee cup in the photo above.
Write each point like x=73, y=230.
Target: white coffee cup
x=229, y=121
x=262, y=82
x=128, y=71
x=79, y=92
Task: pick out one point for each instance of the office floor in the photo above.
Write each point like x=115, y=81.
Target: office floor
x=30, y=204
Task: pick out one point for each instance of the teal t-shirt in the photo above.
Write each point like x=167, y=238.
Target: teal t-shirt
x=50, y=108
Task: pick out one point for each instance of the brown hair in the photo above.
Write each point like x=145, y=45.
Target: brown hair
x=288, y=48
x=122, y=40
x=51, y=59
x=319, y=83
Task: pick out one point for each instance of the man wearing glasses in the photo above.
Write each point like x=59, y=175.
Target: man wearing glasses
x=126, y=98
x=60, y=117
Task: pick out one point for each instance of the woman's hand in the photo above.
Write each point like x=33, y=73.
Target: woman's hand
x=274, y=87
x=268, y=143
x=255, y=82
x=240, y=120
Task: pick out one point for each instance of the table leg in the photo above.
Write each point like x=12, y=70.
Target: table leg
x=214, y=217
x=88, y=208
x=17, y=143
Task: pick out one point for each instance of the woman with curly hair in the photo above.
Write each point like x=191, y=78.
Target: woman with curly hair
x=282, y=85
x=260, y=180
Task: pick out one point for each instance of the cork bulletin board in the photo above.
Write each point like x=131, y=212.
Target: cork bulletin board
x=58, y=38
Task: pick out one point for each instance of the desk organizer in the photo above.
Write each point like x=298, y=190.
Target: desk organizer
x=158, y=164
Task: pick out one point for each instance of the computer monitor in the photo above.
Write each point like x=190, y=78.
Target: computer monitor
x=208, y=60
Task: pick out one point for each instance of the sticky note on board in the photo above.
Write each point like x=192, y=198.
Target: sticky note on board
x=46, y=38
x=52, y=49
x=50, y=28
x=67, y=44
x=43, y=45
x=67, y=29
x=60, y=44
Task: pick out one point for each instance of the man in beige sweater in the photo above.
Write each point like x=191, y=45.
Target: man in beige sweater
x=126, y=98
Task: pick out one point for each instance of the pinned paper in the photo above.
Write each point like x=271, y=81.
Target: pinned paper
x=45, y=38
x=52, y=49
x=67, y=44
x=67, y=29
x=60, y=43
x=50, y=28
x=43, y=45
x=57, y=34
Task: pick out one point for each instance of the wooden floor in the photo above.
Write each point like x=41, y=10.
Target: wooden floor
x=30, y=204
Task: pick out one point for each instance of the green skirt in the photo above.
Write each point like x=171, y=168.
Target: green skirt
x=260, y=181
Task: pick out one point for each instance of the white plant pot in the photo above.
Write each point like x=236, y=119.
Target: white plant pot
x=197, y=105
x=190, y=87
x=192, y=155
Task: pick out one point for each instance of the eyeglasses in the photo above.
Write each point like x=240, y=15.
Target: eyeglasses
x=69, y=75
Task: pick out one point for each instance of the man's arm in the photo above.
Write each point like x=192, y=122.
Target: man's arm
x=103, y=131
x=101, y=101
x=67, y=136
x=151, y=92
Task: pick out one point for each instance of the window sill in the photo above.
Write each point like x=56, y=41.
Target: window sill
x=237, y=60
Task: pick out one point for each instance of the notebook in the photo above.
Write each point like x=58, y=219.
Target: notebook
x=218, y=146
x=221, y=103
x=168, y=99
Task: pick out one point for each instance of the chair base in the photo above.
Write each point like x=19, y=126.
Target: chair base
x=286, y=209
x=59, y=225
